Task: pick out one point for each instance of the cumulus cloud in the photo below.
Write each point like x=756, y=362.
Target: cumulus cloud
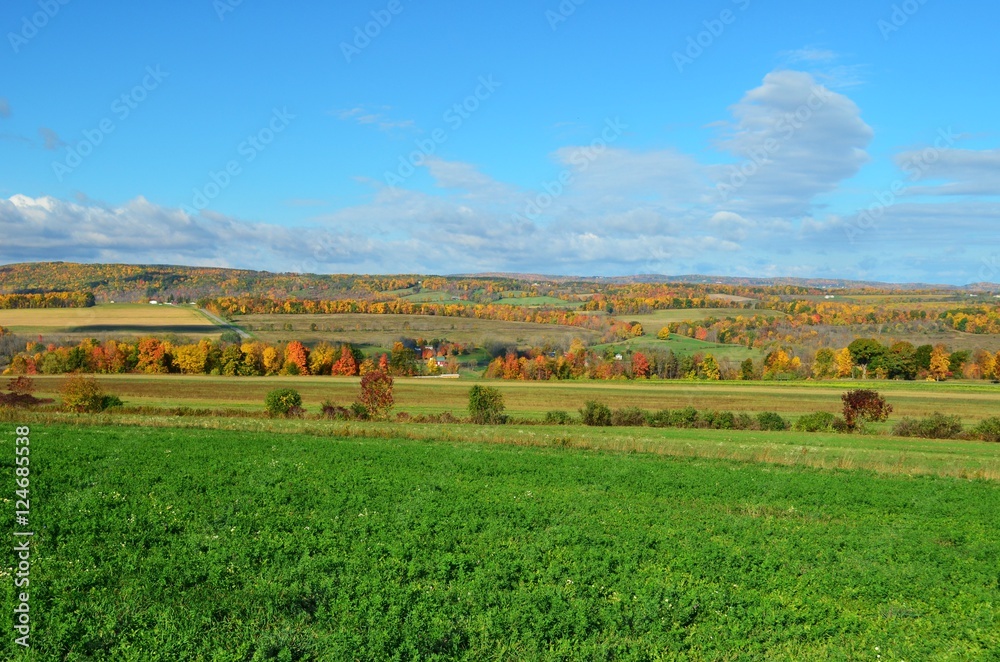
x=796, y=139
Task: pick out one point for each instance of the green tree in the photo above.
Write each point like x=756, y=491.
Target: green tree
x=83, y=394
x=486, y=406
x=283, y=402
x=867, y=353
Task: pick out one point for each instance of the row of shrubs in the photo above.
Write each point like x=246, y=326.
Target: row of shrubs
x=940, y=426
x=600, y=415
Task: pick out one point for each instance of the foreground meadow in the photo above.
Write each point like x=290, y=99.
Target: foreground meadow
x=168, y=544
x=972, y=400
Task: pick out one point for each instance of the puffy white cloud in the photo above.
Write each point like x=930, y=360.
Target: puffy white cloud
x=796, y=140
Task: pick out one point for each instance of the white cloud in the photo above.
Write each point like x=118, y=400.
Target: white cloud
x=378, y=119
x=963, y=171
x=796, y=139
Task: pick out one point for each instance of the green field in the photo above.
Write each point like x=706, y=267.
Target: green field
x=535, y=302
x=655, y=321
x=171, y=544
x=683, y=346
x=110, y=320
x=430, y=296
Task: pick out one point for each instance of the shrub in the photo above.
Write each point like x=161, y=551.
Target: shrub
x=22, y=385
x=111, y=401
x=821, y=421
x=840, y=425
x=83, y=394
x=280, y=402
x=596, y=414
x=717, y=420
x=724, y=421
x=744, y=421
x=771, y=422
x=376, y=394
x=359, y=411
x=684, y=418
x=558, y=418
x=486, y=406
x=659, y=419
x=334, y=412
x=987, y=430
x=935, y=426
x=628, y=417
x=863, y=405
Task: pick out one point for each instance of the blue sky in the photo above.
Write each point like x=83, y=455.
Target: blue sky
x=735, y=137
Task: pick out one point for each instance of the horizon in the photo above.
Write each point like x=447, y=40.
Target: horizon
x=852, y=142
x=680, y=279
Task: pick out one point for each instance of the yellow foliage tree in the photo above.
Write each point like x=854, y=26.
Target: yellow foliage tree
x=940, y=362
x=845, y=363
x=273, y=360
x=190, y=359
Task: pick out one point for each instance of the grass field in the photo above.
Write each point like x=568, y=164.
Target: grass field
x=534, y=302
x=383, y=330
x=171, y=544
x=972, y=401
x=684, y=346
x=655, y=321
x=110, y=320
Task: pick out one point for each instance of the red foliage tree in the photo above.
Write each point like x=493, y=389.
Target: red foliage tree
x=640, y=366
x=864, y=405
x=376, y=394
x=297, y=353
x=346, y=365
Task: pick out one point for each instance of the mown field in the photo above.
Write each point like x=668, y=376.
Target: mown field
x=109, y=320
x=384, y=330
x=186, y=544
x=654, y=321
x=972, y=401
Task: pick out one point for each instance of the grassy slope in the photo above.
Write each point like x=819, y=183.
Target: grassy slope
x=684, y=346
x=654, y=321
x=109, y=320
x=170, y=544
